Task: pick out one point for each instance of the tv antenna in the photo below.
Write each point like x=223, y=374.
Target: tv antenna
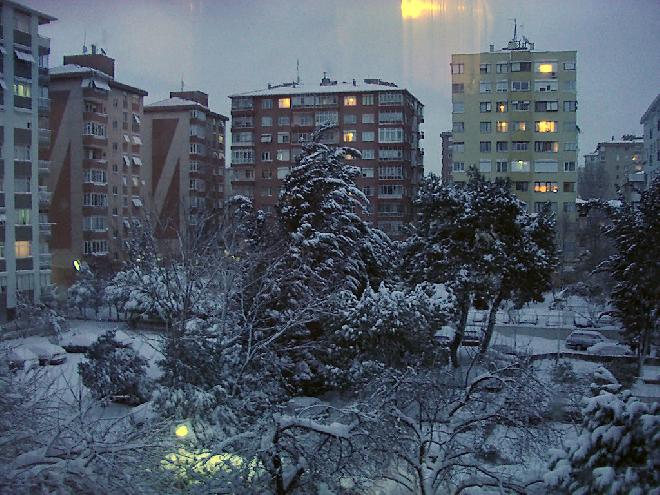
x=297, y=71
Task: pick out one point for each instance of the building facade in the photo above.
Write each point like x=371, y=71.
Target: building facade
x=185, y=155
x=447, y=139
x=514, y=116
x=97, y=177
x=613, y=169
x=651, y=123
x=24, y=141
x=374, y=116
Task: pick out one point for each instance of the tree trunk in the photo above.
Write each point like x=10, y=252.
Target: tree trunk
x=492, y=317
x=460, y=331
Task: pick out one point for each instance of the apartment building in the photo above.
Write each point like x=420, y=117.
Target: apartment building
x=376, y=117
x=614, y=168
x=651, y=124
x=185, y=152
x=447, y=139
x=97, y=177
x=24, y=141
x=514, y=116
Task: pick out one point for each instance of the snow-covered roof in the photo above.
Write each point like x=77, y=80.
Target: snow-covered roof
x=76, y=69
x=175, y=102
x=339, y=87
x=652, y=108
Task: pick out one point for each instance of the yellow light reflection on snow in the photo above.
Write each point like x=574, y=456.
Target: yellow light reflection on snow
x=181, y=431
x=414, y=9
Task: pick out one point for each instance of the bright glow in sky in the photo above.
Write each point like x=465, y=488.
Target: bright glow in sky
x=230, y=46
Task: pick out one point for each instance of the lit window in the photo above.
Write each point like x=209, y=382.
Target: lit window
x=520, y=126
x=546, y=126
x=546, y=187
x=350, y=101
x=284, y=103
x=502, y=126
x=501, y=106
x=546, y=67
x=350, y=136
x=23, y=249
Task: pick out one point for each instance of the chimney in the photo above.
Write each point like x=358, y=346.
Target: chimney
x=325, y=81
x=354, y=83
x=93, y=49
x=492, y=48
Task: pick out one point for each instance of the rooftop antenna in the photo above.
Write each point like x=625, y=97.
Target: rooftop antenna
x=515, y=29
x=297, y=71
x=182, y=83
x=85, y=43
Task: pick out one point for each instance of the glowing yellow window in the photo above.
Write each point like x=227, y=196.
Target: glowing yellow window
x=23, y=249
x=284, y=103
x=350, y=101
x=546, y=68
x=502, y=126
x=521, y=126
x=546, y=126
x=350, y=136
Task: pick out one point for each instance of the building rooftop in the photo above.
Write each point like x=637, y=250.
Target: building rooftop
x=177, y=103
x=43, y=18
x=652, y=108
x=72, y=69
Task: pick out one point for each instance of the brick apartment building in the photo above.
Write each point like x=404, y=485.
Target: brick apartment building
x=97, y=164
x=376, y=117
x=185, y=153
x=24, y=141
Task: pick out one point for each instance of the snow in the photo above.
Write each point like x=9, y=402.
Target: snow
x=302, y=89
x=175, y=102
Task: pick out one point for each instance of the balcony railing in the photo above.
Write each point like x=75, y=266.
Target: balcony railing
x=44, y=137
x=44, y=196
x=44, y=166
x=45, y=228
x=44, y=105
x=45, y=260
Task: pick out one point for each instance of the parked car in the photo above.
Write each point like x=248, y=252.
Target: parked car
x=20, y=358
x=610, y=348
x=48, y=353
x=580, y=321
x=75, y=342
x=526, y=318
x=583, y=339
x=472, y=336
x=479, y=316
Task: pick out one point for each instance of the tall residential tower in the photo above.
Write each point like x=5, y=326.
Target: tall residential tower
x=514, y=116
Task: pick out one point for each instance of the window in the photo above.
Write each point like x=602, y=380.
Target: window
x=94, y=129
x=23, y=216
x=241, y=137
x=569, y=166
x=266, y=121
x=390, y=209
x=502, y=146
x=95, y=199
x=546, y=86
x=390, y=98
x=458, y=88
x=519, y=125
x=570, y=106
x=22, y=185
x=23, y=249
x=546, y=106
x=540, y=206
x=266, y=104
x=546, y=126
x=367, y=172
x=243, y=122
x=242, y=156
x=569, y=207
x=368, y=118
x=458, y=147
x=283, y=121
x=283, y=137
x=368, y=154
x=569, y=126
x=350, y=101
x=21, y=22
x=485, y=68
x=329, y=117
x=545, y=67
x=521, y=66
x=485, y=87
x=485, y=106
x=520, y=145
x=368, y=136
x=283, y=155
x=501, y=107
x=502, y=86
x=569, y=85
x=390, y=172
x=570, y=146
x=284, y=103
x=485, y=166
x=458, y=167
x=195, y=149
x=520, y=106
x=569, y=65
x=502, y=68
x=458, y=127
x=569, y=187
x=95, y=224
x=349, y=136
x=546, y=166
x=350, y=119
x=266, y=156
x=390, y=190
x=22, y=152
x=502, y=166
x=520, y=166
x=99, y=247
x=390, y=135
x=266, y=138
x=457, y=68
x=484, y=146
x=95, y=176
x=546, y=187
x=458, y=107
x=485, y=127
x=502, y=126
x=519, y=85
x=546, y=146
x=282, y=172
x=522, y=186
x=367, y=99
x=390, y=117
x=390, y=153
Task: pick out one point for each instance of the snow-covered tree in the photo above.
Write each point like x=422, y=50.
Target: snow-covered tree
x=615, y=453
x=86, y=291
x=113, y=370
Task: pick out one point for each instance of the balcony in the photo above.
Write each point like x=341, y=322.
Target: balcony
x=45, y=229
x=44, y=105
x=45, y=260
x=44, y=137
x=44, y=166
x=44, y=196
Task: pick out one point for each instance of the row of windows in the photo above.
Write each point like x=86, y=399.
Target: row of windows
x=501, y=166
x=506, y=67
x=518, y=106
x=22, y=249
x=384, y=98
x=503, y=146
x=503, y=86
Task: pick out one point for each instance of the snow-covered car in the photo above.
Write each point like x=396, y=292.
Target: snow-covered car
x=444, y=336
x=479, y=316
x=583, y=339
x=472, y=336
x=79, y=342
x=19, y=358
x=48, y=353
x=610, y=348
x=527, y=318
x=581, y=321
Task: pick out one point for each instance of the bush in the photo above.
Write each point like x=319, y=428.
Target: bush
x=115, y=372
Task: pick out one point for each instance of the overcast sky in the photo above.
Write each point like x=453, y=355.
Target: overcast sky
x=230, y=46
